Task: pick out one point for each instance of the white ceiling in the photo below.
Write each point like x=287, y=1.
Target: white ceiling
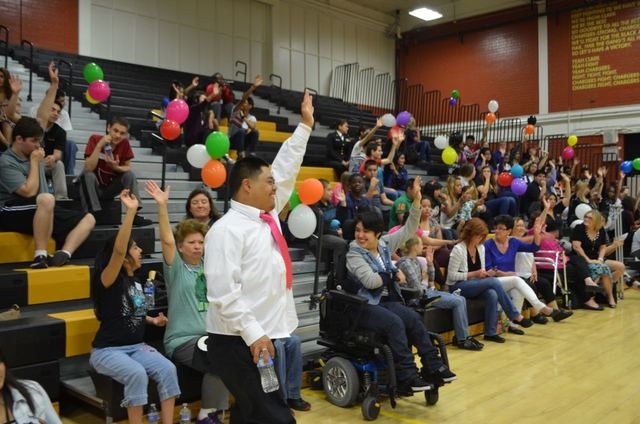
x=450, y=9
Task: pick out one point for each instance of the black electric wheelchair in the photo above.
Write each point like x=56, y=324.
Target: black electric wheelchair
x=358, y=365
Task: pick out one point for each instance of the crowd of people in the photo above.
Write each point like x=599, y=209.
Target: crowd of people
x=229, y=276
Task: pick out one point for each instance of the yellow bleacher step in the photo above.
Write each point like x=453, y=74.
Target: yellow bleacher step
x=267, y=134
x=18, y=247
x=81, y=327
x=57, y=284
x=315, y=172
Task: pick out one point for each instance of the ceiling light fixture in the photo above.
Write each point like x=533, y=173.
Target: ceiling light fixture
x=425, y=14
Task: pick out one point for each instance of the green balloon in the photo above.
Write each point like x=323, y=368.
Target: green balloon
x=455, y=94
x=92, y=72
x=217, y=144
x=636, y=164
x=294, y=199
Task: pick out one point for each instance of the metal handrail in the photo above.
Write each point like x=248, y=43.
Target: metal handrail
x=6, y=45
x=243, y=72
x=30, y=44
x=69, y=79
x=279, y=86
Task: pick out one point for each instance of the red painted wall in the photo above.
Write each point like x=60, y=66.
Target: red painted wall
x=500, y=63
x=563, y=93
x=48, y=24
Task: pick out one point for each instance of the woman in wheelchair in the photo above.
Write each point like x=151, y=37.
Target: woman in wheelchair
x=369, y=265
x=467, y=273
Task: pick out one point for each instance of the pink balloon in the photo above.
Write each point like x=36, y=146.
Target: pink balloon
x=568, y=153
x=177, y=110
x=99, y=90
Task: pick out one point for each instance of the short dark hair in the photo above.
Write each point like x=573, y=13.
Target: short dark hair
x=249, y=167
x=471, y=137
x=55, y=102
x=370, y=148
x=120, y=121
x=27, y=127
x=506, y=220
x=371, y=220
x=540, y=171
x=341, y=122
x=60, y=93
x=369, y=162
x=466, y=170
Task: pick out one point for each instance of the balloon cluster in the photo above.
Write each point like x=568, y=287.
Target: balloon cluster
x=455, y=97
x=628, y=166
x=568, y=152
x=176, y=113
x=98, y=90
x=302, y=219
x=402, y=120
x=206, y=156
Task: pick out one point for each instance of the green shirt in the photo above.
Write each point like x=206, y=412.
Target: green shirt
x=187, y=297
x=400, y=206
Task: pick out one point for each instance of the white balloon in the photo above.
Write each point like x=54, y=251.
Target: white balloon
x=197, y=156
x=576, y=222
x=493, y=106
x=581, y=209
x=388, y=120
x=441, y=142
x=302, y=221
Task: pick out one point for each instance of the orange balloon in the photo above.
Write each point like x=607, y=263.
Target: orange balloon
x=214, y=174
x=490, y=118
x=529, y=129
x=310, y=191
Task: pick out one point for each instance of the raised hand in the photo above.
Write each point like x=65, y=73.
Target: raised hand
x=161, y=197
x=258, y=80
x=417, y=189
x=195, y=81
x=378, y=122
x=340, y=195
x=53, y=73
x=306, y=109
x=129, y=200
x=15, y=83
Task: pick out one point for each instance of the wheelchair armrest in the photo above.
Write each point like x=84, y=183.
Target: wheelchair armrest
x=348, y=297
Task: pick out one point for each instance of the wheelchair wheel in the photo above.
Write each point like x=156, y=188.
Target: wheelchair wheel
x=340, y=381
x=370, y=408
x=432, y=396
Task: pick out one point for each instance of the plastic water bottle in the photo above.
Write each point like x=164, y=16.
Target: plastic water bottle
x=150, y=291
x=49, y=186
x=108, y=151
x=185, y=414
x=268, y=376
x=152, y=415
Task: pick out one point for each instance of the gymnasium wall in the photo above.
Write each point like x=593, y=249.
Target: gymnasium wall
x=51, y=24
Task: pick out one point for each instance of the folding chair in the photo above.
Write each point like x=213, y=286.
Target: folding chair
x=552, y=259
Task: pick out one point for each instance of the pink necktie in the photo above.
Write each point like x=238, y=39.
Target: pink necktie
x=282, y=245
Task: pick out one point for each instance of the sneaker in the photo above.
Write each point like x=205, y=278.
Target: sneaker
x=139, y=221
x=40, y=262
x=540, y=319
x=445, y=374
x=469, y=344
x=212, y=418
x=415, y=384
x=299, y=404
x=60, y=258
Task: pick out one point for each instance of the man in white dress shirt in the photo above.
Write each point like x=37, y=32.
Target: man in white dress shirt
x=249, y=301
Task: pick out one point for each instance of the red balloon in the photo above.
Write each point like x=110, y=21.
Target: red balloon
x=529, y=129
x=394, y=129
x=214, y=174
x=310, y=191
x=170, y=130
x=505, y=179
x=490, y=118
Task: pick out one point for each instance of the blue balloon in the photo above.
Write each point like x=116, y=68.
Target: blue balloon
x=165, y=102
x=334, y=225
x=626, y=167
x=517, y=170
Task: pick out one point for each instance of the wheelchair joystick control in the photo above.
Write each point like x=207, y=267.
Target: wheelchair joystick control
x=268, y=376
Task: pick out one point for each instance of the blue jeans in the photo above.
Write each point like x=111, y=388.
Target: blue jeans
x=289, y=366
x=69, y=157
x=132, y=365
x=502, y=206
x=492, y=292
x=458, y=307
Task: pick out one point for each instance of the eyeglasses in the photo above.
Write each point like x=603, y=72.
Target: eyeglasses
x=501, y=229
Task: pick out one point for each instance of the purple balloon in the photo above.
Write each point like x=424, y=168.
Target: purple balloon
x=453, y=102
x=518, y=186
x=99, y=90
x=177, y=110
x=403, y=118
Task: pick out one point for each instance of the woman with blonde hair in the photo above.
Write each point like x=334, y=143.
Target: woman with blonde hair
x=588, y=241
x=467, y=273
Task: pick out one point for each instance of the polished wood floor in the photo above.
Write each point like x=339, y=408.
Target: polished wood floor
x=583, y=370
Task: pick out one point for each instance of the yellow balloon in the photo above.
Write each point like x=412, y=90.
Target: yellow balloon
x=90, y=99
x=449, y=155
x=572, y=140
